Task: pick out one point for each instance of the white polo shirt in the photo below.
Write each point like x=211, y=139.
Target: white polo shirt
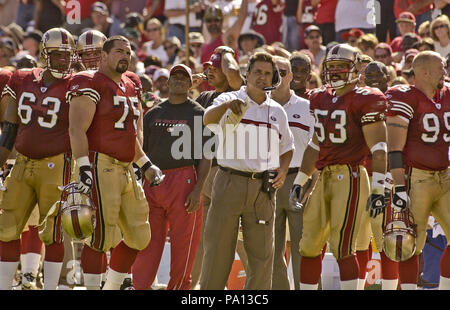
x=262, y=135
x=301, y=123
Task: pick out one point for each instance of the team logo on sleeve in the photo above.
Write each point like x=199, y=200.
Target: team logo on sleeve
x=296, y=116
x=74, y=87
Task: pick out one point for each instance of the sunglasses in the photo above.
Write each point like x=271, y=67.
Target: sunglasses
x=283, y=73
x=153, y=29
x=439, y=26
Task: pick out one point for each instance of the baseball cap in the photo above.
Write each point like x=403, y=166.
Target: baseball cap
x=9, y=43
x=181, y=67
x=252, y=34
x=411, y=52
x=213, y=11
x=406, y=17
x=384, y=46
x=99, y=7
x=174, y=40
x=161, y=72
x=132, y=20
x=312, y=28
x=34, y=34
x=215, y=60
x=355, y=32
x=196, y=37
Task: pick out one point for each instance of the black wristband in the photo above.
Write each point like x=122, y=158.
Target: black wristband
x=400, y=188
x=396, y=160
x=9, y=134
x=146, y=166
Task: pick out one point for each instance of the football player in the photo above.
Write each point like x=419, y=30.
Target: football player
x=103, y=118
x=376, y=75
x=89, y=48
x=267, y=19
x=349, y=125
x=419, y=137
x=36, y=124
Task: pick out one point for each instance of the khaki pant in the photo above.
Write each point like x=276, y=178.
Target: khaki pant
x=33, y=182
x=333, y=212
x=280, y=279
x=120, y=204
x=237, y=198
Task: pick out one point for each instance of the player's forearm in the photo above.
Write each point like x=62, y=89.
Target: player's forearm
x=379, y=162
x=78, y=142
x=285, y=160
x=310, y=157
x=398, y=175
x=202, y=169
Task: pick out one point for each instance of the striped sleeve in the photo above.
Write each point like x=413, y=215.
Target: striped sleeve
x=82, y=84
x=89, y=92
x=401, y=109
x=7, y=90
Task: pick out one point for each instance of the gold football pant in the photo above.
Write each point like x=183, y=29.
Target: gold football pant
x=120, y=204
x=334, y=210
x=33, y=181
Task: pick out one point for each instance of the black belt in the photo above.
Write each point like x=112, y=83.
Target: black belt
x=293, y=170
x=252, y=175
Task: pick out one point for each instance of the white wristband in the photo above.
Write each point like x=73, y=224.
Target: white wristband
x=83, y=161
x=301, y=178
x=378, y=180
x=380, y=146
x=142, y=161
x=389, y=181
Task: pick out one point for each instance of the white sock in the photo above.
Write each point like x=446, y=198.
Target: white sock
x=31, y=263
x=114, y=280
x=7, y=272
x=309, y=287
x=22, y=261
x=92, y=281
x=361, y=284
x=444, y=283
x=349, y=285
x=408, y=286
x=52, y=271
x=389, y=285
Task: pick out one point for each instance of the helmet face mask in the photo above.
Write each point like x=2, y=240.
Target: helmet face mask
x=90, y=58
x=60, y=40
x=77, y=213
x=399, y=236
x=340, y=66
x=89, y=48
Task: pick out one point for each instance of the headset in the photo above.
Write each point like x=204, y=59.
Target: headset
x=276, y=78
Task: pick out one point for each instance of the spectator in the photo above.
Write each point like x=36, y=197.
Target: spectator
x=48, y=15
x=31, y=43
x=8, y=49
x=196, y=41
x=442, y=6
x=420, y=8
x=249, y=41
x=305, y=18
x=440, y=33
x=406, y=23
x=160, y=78
x=366, y=43
x=315, y=81
x=392, y=74
x=149, y=99
x=267, y=20
x=409, y=56
x=174, y=10
x=119, y=11
x=134, y=36
x=386, y=24
x=154, y=32
x=364, y=60
x=383, y=53
x=291, y=28
x=351, y=37
x=400, y=80
x=425, y=44
x=325, y=18
x=25, y=13
x=408, y=75
x=155, y=9
x=354, y=14
x=8, y=9
x=100, y=18
x=133, y=21
x=171, y=46
x=301, y=73
x=152, y=60
x=76, y=27
x=213, y=19
x=424, y=29
x=313, y=40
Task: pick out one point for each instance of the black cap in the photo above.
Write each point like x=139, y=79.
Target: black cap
x=34, y=34
x=132, y=20
x=8, y=42
x=311, y=28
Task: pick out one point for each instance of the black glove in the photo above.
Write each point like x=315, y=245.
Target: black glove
x=295, y=198
x=85, y=179
x=138, y=173
x=375, y=204
x=400, y=199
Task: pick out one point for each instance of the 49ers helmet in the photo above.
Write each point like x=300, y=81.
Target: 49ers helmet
x=89, y=47
x=399, y=236
x=341, y=53
x=77, y=213
x=57, y=39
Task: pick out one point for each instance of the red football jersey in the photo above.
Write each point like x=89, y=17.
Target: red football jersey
x=428, y=141
x=339, y=122
x=4, y=78
x=267, y=20
x=113, y=128
x=43, y=114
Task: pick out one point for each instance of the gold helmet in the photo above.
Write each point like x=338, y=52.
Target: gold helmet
x=77, y=213
x=89, y=48
x=335, y=74
x=57, y=39
x=399, y=236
